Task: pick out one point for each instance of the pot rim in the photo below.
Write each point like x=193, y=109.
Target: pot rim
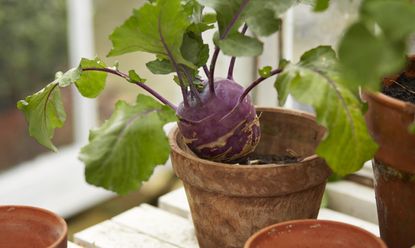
x=310, y=222
x=390, y=102
x=314, y=157
x=61, y=221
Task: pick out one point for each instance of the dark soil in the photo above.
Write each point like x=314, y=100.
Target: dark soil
x=255, y=159
x=403, y=88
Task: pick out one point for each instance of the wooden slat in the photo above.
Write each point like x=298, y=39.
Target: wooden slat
x=160, y=224
x=112, y=235
x=72, y=245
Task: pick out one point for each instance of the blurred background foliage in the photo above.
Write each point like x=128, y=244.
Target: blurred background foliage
x=33, y=43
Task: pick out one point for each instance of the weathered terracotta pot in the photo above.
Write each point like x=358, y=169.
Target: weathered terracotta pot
x=395, y=200
x=30, y=227
x=388, y=120
x=231, y=202
x=314, y=234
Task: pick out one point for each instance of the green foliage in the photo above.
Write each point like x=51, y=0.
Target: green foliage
x=265, y=71
x=237, y=44
x=321, y=5
x=91, y=83
x=160, y=66
x=315, y=80
x=124, y=151
x=33, y=43
x=134, y=77
x=154, y=28
x=44, y=112
x=376, y=44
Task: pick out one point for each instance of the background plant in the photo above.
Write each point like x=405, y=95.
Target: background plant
x=125, y=149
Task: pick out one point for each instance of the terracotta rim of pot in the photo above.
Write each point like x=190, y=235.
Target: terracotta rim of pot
x=312, y=164
x=61, y=241
x=308, y=223
x=406, y=107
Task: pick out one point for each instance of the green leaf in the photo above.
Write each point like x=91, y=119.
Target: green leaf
x=265, y=71
x=154, y=28
x=44, y=112
x=69, y=77
x=135, y=78
x=385, y=13
x=282, y=82
x=315, y=81
x=91, y=83
x=366, y=58
x=124, y=151
x=237, y=44
x=225, y=10
x=265, y=23
x=160, y=66
x=194, y=50
x=321, y=5
x=262, y=16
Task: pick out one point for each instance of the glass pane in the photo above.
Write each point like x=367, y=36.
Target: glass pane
x=33, y=45
x=108, y=15
x=312, y=29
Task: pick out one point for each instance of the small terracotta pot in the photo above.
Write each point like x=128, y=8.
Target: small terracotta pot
x=231, y=202
x=314, y=234
x=23, y=226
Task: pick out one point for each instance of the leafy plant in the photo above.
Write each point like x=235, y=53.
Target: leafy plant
x=125, y=149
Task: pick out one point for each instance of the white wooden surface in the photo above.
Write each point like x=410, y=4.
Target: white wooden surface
x=168, y=226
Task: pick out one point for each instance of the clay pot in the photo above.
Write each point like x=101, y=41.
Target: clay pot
x=23, y=226
x=388, y=120
x=395, y=200
x=313, y=234
x=231, y=202
x=394, y=166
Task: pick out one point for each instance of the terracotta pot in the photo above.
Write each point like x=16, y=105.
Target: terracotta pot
x=395, y=200
x=231, y=202
x=314, y=234
x=388, y=119
x=23, y=226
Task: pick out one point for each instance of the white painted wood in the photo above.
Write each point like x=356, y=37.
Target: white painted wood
x=160, y=224
x=72, y=245
x=52, y=181
x=109, y=234
x=175, y=202
x=81, y=44
x=265, y=94
x=352, y=199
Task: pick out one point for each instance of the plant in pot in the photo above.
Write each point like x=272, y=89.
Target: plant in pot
x=243, y=168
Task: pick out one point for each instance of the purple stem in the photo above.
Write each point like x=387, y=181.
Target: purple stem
x=193, y=89
x=223, y=36
x=140, y=84
x=256, y=82
x=206, y=70
x=233, y=59
x=176, y=67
